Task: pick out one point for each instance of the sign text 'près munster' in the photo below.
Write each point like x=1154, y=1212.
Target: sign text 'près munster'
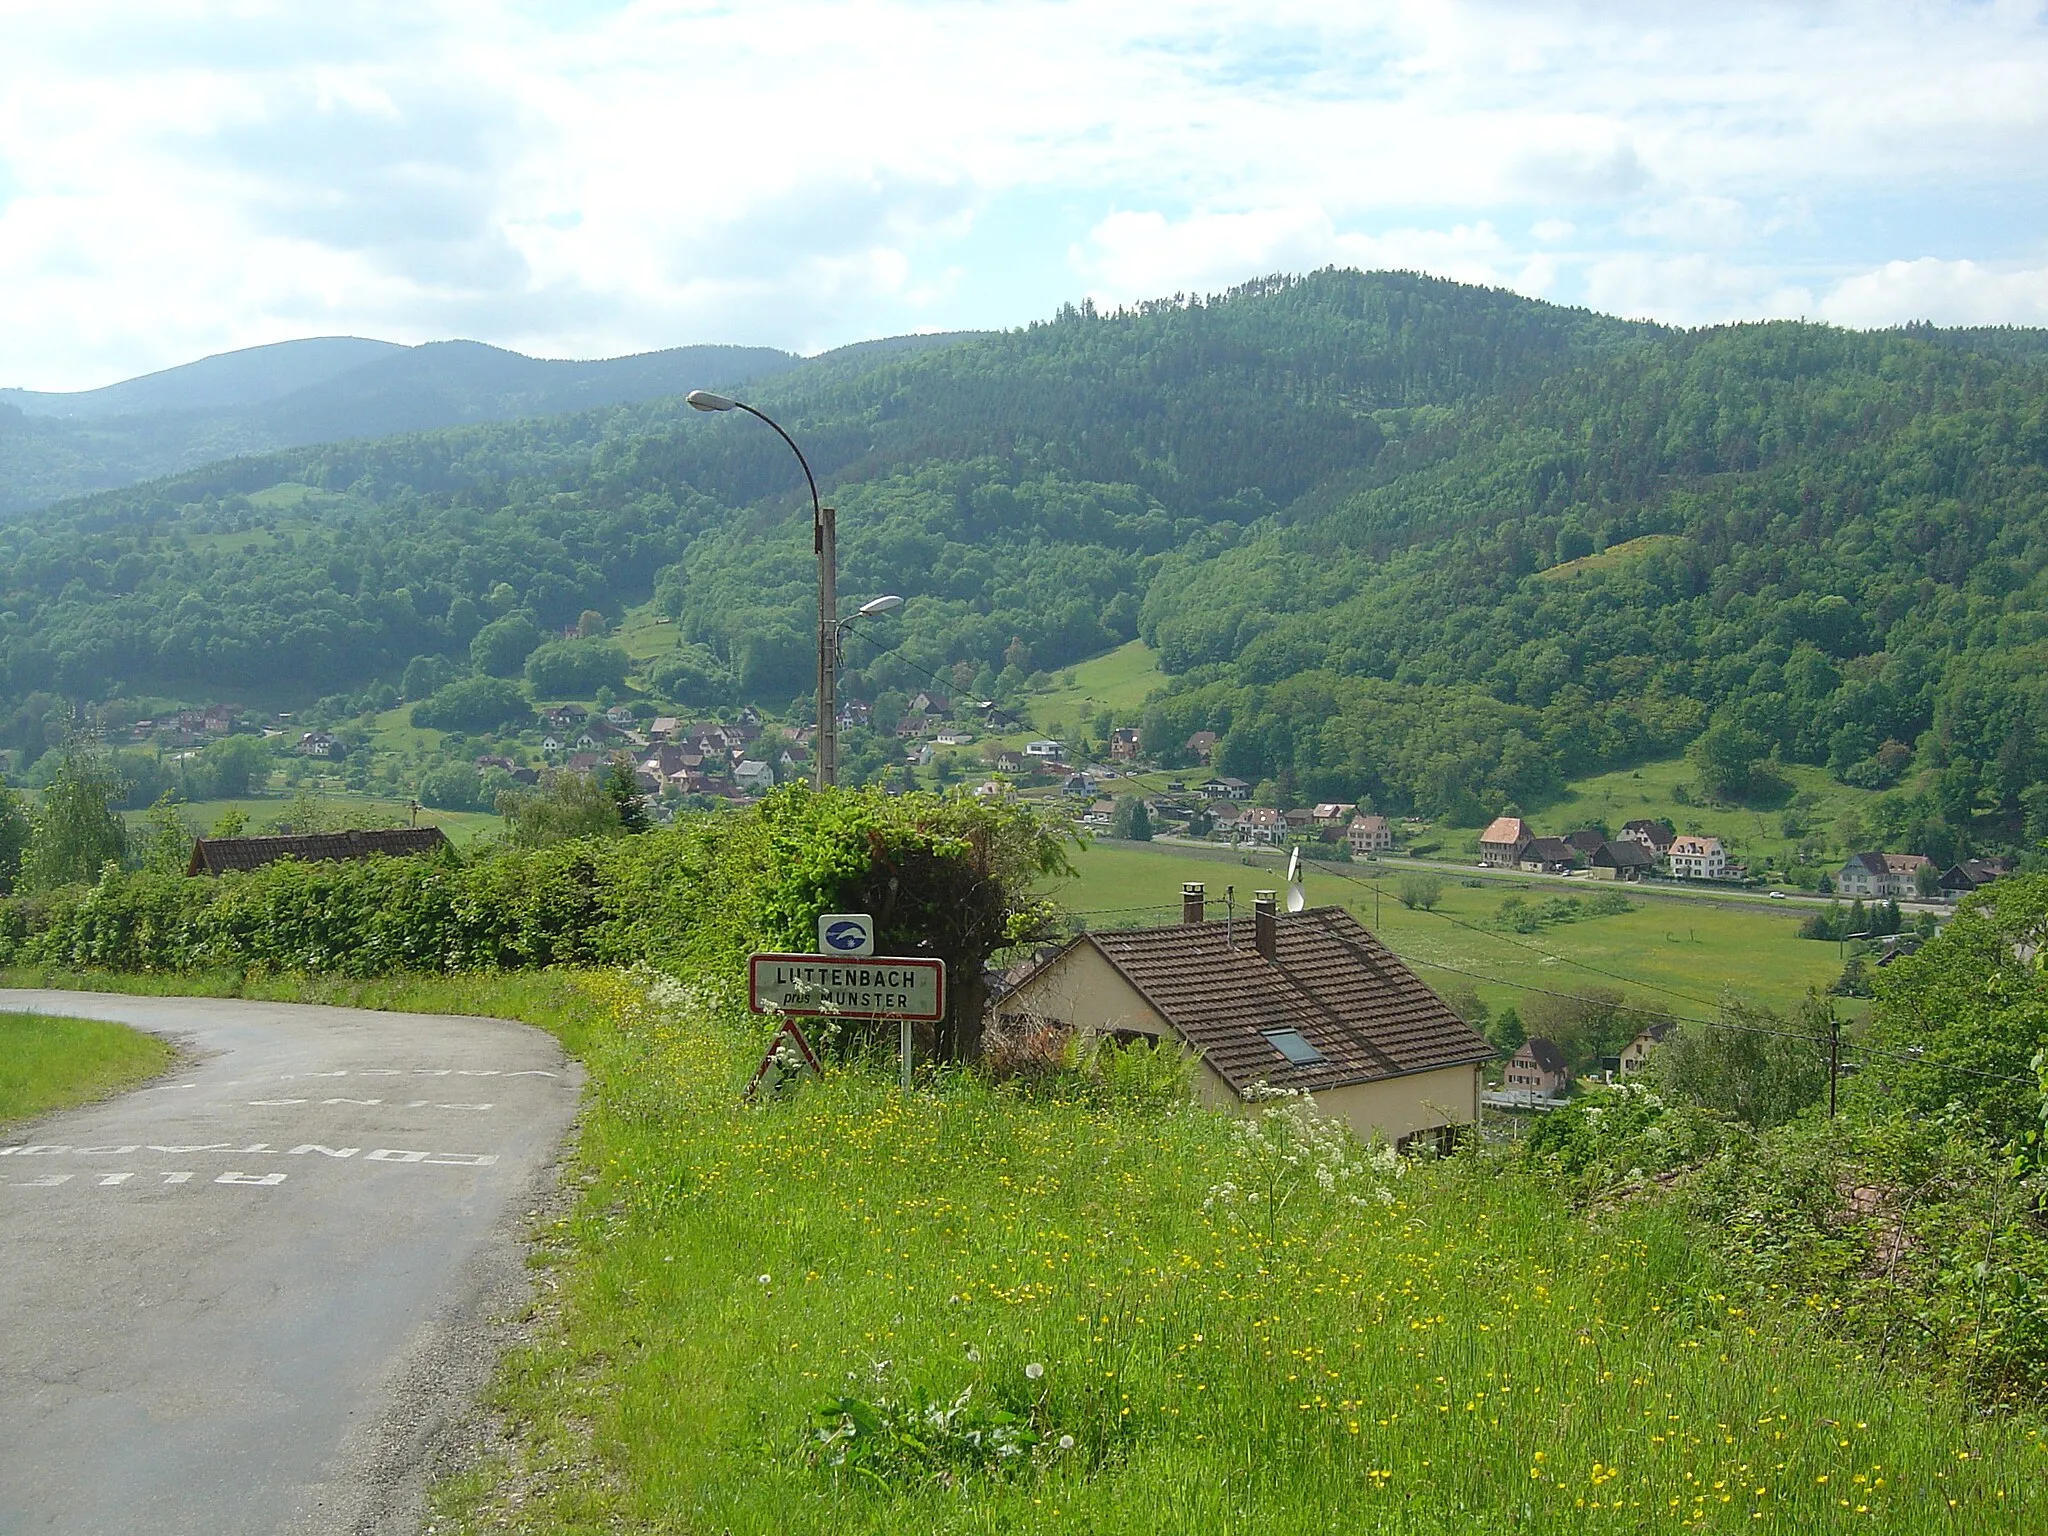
x=877, y=988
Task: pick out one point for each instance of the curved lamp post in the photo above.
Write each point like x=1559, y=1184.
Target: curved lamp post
x=831, y=628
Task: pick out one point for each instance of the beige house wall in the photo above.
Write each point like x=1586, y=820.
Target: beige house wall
x=1085, y=991
x=1400, y=1106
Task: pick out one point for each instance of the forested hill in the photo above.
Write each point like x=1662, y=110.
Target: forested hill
x=1394, y=537
x=322, y=389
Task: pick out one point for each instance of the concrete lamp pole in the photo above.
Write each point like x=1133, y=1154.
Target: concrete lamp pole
x=824, y=540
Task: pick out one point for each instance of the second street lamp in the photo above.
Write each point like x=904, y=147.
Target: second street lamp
x=823, y=541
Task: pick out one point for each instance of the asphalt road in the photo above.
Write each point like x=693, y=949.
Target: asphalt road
x=253, y=1297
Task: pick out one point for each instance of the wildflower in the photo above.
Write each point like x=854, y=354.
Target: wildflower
x=1066, y=1442
x=764, y=1280
x=1034, y=1370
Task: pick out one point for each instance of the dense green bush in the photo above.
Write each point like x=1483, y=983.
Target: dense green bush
x=473, y=704
x=575, y=669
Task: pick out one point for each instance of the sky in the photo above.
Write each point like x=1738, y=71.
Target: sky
x=583, y=179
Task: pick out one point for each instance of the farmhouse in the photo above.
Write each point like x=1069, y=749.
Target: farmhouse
x=320, y=744
x=1698, y=858
x=1225, y=788
x=1657, y=836
x=1200, y=745
x=1501, y=844
x=1123, y=743
x=1623, y=859
x=1969, y=875
x=1547, y=856
x=218, y=855
x=1306, y=1000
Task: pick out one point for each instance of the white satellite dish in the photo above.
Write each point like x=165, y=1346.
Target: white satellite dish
x=1295, y=899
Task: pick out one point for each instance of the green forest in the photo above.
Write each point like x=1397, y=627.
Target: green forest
x=1394, y=539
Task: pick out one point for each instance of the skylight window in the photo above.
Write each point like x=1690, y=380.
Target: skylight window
x=1289, y=1043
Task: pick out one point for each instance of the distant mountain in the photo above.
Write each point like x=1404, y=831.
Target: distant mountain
x=225, y=380
x=325, y=389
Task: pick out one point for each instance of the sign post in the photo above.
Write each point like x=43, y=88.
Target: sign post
x=908, y=989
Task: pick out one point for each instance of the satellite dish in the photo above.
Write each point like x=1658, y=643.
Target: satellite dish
x=1295, y=900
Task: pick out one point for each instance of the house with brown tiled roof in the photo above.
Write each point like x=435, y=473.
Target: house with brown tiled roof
x=1309, y=1001
x=1502, y=842
x=1369, y=834
x=1538, y=1068
x=218, y=855
x=1547, y=856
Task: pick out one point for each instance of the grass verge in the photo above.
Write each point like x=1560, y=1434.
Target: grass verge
x=49, y=1063
x=971, y=1310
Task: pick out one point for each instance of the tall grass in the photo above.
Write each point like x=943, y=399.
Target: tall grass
x=974, y=1309
x=51, y=1063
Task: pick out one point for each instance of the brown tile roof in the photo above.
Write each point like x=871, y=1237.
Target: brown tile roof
x=218, y=855
x=1367, y=1013
x=1505, y=830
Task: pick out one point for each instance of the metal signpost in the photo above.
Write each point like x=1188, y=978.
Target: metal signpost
x=847, y=979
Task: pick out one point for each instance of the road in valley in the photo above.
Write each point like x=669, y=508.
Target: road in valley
x=252, y=1297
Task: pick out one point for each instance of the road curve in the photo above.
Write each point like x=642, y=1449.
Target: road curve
x=250, y=1297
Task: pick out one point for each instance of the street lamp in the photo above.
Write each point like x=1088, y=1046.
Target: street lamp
x=824, y=540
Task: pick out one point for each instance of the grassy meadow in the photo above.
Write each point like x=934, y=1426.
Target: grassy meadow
x=1672, y=952
x=49, y=1063
x=969, y=1309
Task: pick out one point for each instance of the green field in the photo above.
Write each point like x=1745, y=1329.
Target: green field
x=973, y=1309
x=375, y=810
x=1679, y=953
x=49, y=1063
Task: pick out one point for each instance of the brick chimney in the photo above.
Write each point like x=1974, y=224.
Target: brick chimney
x=1191, y=902
x=1266, y=925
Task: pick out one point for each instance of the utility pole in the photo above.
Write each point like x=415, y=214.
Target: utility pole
x=1834, y=1058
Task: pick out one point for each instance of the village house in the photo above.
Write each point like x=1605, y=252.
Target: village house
x=1369, y=834
x=1623, y=859
x=1547, y=856
x=321, y=745
x=1657, y=836
x=1698, y=858
x=1298, y=820
x=1262, y=824
x=1012, y=762
x=1044, y=749
x=754, y=778
x=1501, y=844
x=1537, y=1069
x=565, y=717
x=662, y=727
x=585, y=764
x=218, y=855
x=1200, y=745
x=1309, y=1001
x=1637, y=1052
x=854, y=713
x=1223, y=817
x=620, y=715
x=954, y=736
x=1585, y=841
x=1099, y=815
x=1969, y=875
x=1123, y=743
x=1225, y=788
x=551, y=745
x=1882, y=876
x=1078, y=784
x=1332, y=813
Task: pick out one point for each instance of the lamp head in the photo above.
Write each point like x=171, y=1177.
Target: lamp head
x=875, y=605
x=704, y=400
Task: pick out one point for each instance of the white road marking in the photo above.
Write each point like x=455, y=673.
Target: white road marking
x=250, y=1178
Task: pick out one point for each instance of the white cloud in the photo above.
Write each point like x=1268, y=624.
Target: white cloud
x=1137, y=255
x=180, y=176
x=1946, y=292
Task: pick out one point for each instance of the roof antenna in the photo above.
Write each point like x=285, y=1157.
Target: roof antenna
x=1229, y=915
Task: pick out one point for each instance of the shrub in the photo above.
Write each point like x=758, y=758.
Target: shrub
x=473, y=704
